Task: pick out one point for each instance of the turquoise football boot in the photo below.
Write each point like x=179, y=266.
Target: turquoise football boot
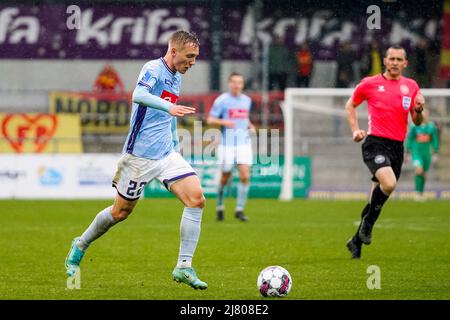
x=73, y=258
x=188, y=276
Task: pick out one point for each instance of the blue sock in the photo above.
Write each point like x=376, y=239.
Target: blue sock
x=190, y=232
x=242, y=193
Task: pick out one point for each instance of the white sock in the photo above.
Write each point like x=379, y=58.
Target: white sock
x=102, y=222
x=242, y=193
x=190, y=232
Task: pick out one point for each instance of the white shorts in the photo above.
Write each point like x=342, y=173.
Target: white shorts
x=133, y=173
x=230, y=155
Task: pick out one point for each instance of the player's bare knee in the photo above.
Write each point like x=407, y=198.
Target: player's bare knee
x=224, y=179
x=200, y=202
x=245, y=179
x=389, y=186
x=197, y=201
x=121, y=213
x=419, y=171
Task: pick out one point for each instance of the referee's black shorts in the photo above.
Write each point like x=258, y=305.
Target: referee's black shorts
x=381, y=152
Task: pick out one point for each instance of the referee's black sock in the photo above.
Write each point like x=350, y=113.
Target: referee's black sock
x=363, y=214
x=376, y=203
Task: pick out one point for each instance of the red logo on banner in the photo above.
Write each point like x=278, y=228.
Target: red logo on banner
x=238, y=114
x=19, y=128
x=169, y=96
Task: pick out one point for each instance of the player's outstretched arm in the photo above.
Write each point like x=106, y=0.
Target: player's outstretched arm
x=180, y=111
x=352, y=119
x=435, y=139
x=145, y=98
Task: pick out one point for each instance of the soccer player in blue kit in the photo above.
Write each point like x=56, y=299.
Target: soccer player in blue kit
x=231, y=111
x=151, y=151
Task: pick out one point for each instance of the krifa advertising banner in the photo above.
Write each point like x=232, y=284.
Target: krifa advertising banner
x=99, y=112
x=40, y=133
x=96, y=32
x=139, y=32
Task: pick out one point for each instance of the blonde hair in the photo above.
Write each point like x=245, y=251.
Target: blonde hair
x=181, y=38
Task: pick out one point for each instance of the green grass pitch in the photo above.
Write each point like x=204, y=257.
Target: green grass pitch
x=135, y=259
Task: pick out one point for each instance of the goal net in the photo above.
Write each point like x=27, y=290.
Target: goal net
x=315, y=126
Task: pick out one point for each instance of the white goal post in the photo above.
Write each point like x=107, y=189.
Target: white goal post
x=329, y=103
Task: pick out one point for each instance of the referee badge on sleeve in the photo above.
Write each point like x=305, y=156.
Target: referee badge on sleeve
x=406, y=102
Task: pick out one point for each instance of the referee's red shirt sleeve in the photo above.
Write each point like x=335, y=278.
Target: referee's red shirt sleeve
x=359, y=95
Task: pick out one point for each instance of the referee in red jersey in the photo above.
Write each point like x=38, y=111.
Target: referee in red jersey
x=390, y=97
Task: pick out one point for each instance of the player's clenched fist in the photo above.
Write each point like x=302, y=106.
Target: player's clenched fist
x=180, y=111
x=358, y=135
x=419, y=103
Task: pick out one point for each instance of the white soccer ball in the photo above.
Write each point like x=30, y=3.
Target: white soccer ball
x=274, y=281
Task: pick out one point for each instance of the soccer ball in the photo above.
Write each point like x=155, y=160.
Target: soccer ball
x=274, y=281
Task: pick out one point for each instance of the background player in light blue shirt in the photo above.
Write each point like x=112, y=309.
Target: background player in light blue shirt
x=231, y=111
x=149, y=154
